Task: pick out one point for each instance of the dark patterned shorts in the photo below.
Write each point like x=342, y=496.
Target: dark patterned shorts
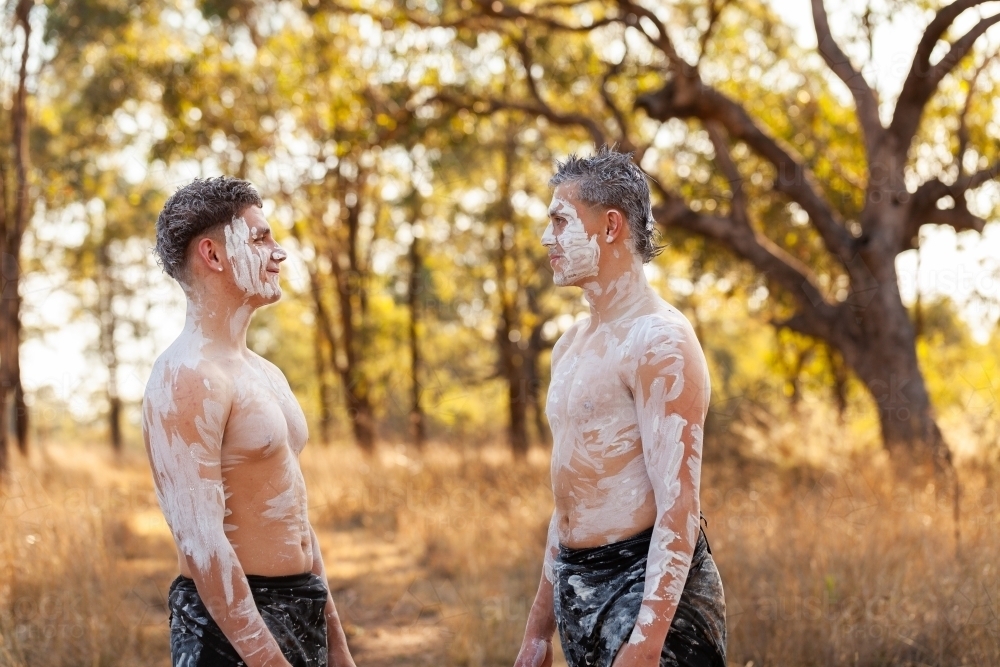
x=597, y=597
x=293, y=609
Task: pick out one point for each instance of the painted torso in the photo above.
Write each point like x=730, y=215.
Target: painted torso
x=600, y=481
x=263, y=430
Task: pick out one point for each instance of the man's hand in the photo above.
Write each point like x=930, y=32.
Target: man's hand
x=536, y=648
x=535, y=652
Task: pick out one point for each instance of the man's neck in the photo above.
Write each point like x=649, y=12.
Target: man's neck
x=215, y=320
x=623, y=291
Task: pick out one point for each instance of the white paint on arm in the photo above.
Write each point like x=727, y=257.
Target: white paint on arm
x=670, y=383
x=184, y=428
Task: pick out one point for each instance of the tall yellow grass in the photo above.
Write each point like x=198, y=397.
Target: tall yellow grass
x=821, y=567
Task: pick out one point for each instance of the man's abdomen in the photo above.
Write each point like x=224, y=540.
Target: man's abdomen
x=600, y=501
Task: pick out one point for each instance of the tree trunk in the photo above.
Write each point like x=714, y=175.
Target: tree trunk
x=12, y=404
x=8, y=271
x=108, y=322
x=322, y=383
x=534, y=388
x=115, y=423
x=512, y=365
x=13, y=232
x=884, y=358
x=417, y=424
x=350, y=287
x=508, y=336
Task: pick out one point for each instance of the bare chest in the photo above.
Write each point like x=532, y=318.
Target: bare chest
x=590, y=408
x=264, y=418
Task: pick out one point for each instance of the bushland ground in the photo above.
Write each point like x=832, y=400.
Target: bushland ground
x=434, y=559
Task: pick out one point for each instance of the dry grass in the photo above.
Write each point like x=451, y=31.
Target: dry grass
x=434, y=560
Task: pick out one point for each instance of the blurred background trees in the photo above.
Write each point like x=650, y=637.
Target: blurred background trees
x=403, y=151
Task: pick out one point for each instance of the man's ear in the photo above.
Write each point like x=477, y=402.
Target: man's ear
x=209, y=251
x=614, y=221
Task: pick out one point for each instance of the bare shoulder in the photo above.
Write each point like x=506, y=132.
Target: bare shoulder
x=275, y=374
x=664, y=338
x=663, y=324
x=181, y=380
x=565, y=340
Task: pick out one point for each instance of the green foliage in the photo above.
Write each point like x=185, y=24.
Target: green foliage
x=366, y=127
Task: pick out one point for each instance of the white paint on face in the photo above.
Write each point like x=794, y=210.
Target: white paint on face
x=578, y=254
x=250, y=261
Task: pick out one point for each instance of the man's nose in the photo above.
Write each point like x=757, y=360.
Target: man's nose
x=278, y=254
x=548, y=237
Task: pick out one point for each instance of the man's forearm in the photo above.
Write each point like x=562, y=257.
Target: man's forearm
x=233, y=609
x=340, y=654
x=667, y=567
x=541, y=618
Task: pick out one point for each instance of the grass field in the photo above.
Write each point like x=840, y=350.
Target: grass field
x=434, y=560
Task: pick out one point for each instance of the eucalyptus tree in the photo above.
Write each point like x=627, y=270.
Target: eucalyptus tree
x=15, y=207
x=788, y=158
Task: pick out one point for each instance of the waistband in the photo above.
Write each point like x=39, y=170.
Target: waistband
x=258, y=582
x=618, y=555
x=631, y=547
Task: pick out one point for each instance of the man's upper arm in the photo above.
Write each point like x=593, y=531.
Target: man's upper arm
x=184, y=418
x=670, y=386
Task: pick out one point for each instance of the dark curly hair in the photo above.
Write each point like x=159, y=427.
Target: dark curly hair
x=196, y=209
x=611, y=178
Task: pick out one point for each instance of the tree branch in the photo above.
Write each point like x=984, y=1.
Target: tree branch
x=512, y=13
x=793, y=178
x=778, y=267
x=923, y=79
x=865, y=99
x=714, y=12
x=958, y=218
x=963, y=128
x=616, y=113
x=730, y=171
x=492, y=105
x=661, y=40
x=923, y=205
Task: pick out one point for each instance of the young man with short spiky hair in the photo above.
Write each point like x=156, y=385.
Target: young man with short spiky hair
x=628, y=578
x=223, y=433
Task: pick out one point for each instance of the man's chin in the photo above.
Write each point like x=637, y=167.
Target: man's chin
x=273, y=298
x=567, y=281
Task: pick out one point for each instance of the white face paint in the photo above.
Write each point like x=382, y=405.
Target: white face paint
x=574, y=254
x=250, y=260
x=205, y=495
